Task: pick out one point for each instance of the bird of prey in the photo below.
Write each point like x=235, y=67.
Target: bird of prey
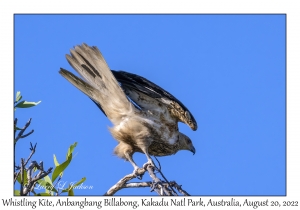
x=144, y=116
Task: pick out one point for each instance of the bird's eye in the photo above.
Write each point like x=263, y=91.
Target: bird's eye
x=189, y=141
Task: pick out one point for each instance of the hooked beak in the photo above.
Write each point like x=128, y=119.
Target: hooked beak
x=193, y=150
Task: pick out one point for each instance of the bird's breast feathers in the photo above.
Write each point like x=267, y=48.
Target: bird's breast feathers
x=145, y=126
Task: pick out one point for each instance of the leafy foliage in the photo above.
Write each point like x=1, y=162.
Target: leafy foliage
x=36, y=171
x=48, y=183
x=24, y=104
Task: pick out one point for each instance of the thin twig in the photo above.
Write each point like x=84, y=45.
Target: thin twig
x=158, y=162
x=59, y=178
x=32, y=149
x=15, y=125
x=30, y=132
x=15, y=130
x=159, y=170
x=22, y=177
x=157, y=181
x=33, y=180
x=16, y=176
x=20, y=134
x=178, y=187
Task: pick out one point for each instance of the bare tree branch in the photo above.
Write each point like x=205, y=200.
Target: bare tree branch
x=16, y=176
x=32, y=148
x=119, y=185
x=22, y=176
x=178, y=187
x=27, y=186
x=159, y=170
x=160, y=187
x=20, y=135
x=15, y=125
x=137, y=184
x=157, y=183
x=30, y=132
x=27, y=180
x=33, y=180
x=159, y=166
x=15, y=130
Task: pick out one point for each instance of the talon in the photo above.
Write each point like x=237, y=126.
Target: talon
x=147, y=164
x=150, y=162
x=138, y=175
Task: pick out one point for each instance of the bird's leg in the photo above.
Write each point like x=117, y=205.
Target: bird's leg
x=150, y=161
x=129, y=158
x=136, y=168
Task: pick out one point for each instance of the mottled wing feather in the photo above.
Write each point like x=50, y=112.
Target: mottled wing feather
x=132, y=82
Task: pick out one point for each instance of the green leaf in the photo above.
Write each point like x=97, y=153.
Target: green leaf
x=19, y=178
x=47, y=185
x=49, y=192
x=55, y=161
x=47, y=179
x=79, y=182
x=27, y=104
x=61, y=168
x=24, y=177
x=16, y=192
x=18, y=96
x=71, y=192
x=74, y=185
x=66, y=189
x=57, y=164
x=25, y=180
x=71, y=149
x=16, y=128
x=43, y=194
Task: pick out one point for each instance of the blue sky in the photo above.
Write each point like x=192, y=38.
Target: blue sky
x=229, y=70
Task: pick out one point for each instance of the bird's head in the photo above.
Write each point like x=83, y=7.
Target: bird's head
x=186, y=143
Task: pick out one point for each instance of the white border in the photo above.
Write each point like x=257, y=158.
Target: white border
x=8, y=8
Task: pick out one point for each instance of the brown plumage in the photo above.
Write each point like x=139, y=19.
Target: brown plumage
x=144, y=115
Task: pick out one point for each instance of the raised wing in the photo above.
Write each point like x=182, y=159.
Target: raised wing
x=133, y=84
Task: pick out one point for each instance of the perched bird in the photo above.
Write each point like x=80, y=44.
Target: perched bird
x=144, y=116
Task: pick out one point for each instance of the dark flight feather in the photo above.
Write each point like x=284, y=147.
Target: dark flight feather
x=143, y=85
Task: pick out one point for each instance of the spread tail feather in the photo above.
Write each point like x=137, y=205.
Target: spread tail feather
x=98, y=81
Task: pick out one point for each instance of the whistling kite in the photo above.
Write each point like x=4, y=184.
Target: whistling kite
x=145, y=117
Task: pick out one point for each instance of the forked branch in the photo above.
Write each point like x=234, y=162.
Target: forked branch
x=162, y=188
